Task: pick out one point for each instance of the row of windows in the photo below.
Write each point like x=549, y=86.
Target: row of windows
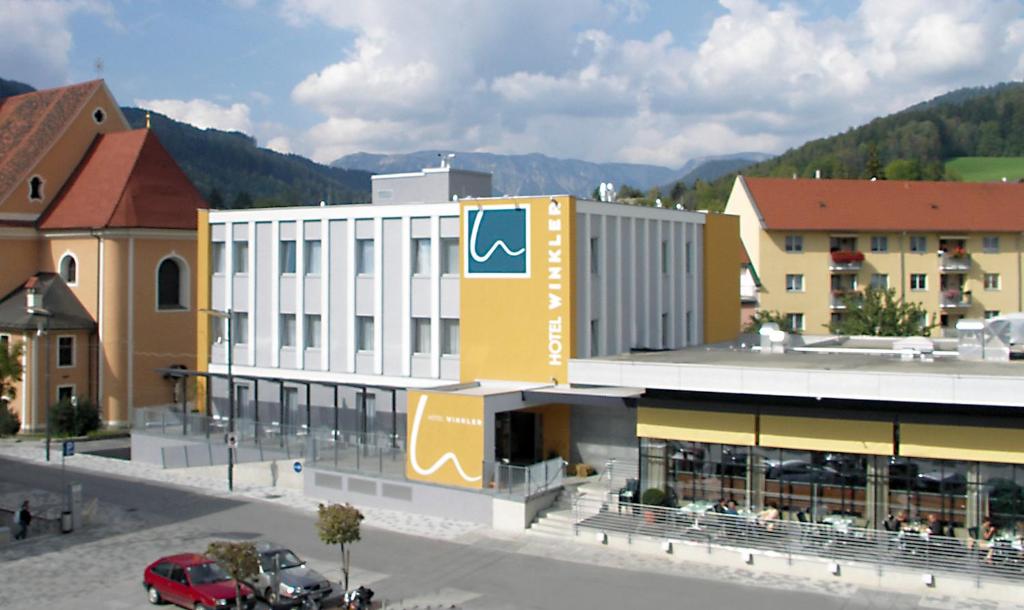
x=364, y=332
x=171, y=283
x=595, y=256
x=65, y=349
x=880, y=281
x=312, y=254
x=880, y=243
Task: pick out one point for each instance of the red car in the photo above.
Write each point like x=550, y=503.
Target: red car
x=192, y=581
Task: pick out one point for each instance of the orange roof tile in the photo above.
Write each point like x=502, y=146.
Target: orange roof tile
x=126, y=180
x=887, y=205
x=30, y=123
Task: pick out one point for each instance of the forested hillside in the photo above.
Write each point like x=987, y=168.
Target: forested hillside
x=909, y=145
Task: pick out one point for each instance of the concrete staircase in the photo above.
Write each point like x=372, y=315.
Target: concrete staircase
x=557, y=520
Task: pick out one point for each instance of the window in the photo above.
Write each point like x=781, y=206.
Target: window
x=595, y=256
x=795, y=321
x=991, y=313
x=421, y=256
x=665, y=335
x=794, y=282
x=450, y=256
x=879, y=243
x=240, y=256
x=291, y=404
x=65, y=352
x=287, y=260
x=217, y=256
x=98, y=116
x=313, y=254
x=171, y=285
x=364, y=333
x=421, y=335
x=69, y=269
x=364, y=257
x=287, y=330
x=992, y=281
x=35, y=188
x=664, y=256
x=5, y=341
x=880, y=281
x=918, y=243
x=450, y=337
x=65, y=393
x=689, y=257
x=313, y=329
x=239, y=327
x=918, y=281
x=794, y=243
x=595, y=338
x=990, y=243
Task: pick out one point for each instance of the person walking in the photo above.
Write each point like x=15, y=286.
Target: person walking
x=22, y=519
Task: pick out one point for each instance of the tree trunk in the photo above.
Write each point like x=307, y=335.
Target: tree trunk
x=344, y=567
x=238, y=595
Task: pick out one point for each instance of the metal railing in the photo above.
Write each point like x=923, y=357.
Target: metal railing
x=524, y=482
x=835, y=539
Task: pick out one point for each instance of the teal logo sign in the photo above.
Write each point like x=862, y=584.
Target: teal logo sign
x=498, y=243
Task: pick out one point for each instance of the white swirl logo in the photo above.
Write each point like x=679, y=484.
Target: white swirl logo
x=497, y=244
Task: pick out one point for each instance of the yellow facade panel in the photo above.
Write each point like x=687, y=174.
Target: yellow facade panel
x=721, y=278
x=696, y=426
x=446, y=438
x=814, y=434
x=1004, y=445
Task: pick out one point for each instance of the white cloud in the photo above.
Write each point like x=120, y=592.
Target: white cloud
x=35, y=38
x=281, y=144
x=563, y=78
x=203, y=113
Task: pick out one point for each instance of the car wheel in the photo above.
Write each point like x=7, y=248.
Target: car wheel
x=269, y=596
x=153, y=595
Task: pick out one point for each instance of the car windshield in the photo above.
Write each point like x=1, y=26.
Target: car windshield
x=205, y=573
x=288, y=560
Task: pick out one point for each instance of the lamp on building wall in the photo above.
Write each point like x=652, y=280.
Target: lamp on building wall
x=41, y=316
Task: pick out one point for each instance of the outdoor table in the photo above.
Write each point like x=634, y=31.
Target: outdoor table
x=840, y=523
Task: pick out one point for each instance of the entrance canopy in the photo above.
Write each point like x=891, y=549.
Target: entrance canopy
x=591, y=396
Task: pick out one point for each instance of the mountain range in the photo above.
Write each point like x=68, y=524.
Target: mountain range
x=537, y=174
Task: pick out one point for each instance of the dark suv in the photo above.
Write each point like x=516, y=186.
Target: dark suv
x=284, y=579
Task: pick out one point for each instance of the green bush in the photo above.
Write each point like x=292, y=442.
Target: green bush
x=653, y=497
x=9, y=422
x=67, y=419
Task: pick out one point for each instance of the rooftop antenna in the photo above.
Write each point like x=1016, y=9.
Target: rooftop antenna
x=446, y=159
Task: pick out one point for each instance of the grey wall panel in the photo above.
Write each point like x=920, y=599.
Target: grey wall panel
x=449, y=226
x=288, y=294
x=364, y=363
x=600, y=433
x=338, y=283
x=450, y=297
x=240, y=231
x=311, y=301
x=218, y=291
x=287, y=230
x=420, y=366
x=240, y=293
x=311, y=229
x=288, y=358
x=364, y=228
x=419, y=228
x=364, y=296
x=263, y=308
x=419, y=306
x=450, y=367
x=218, y=232
x=391, y=311
x=312, y=360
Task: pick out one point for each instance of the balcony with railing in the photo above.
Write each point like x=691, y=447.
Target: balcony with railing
x=844, y=299
x=846, y=261
x=957, y=260
x=954, y=298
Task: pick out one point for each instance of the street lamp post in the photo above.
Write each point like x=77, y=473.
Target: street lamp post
x=227, y=315
x=42, y=317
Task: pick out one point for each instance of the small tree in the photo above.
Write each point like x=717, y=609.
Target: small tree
x=764, y=316
x=10, y=424
x=239, y=559
x=10, y=369
x=339, y=524
x=74, y=419
x=879, y=313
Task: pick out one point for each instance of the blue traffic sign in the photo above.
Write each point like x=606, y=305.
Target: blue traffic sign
x=297, y=466
x=69, y=448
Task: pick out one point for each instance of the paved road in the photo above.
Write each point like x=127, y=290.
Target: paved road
x=102, y=564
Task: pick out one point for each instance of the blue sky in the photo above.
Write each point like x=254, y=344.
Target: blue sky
x=603, y=80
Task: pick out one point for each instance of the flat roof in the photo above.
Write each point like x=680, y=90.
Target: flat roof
x=857, y=376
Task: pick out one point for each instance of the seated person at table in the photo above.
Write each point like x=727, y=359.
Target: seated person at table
x=934, y=525
x=719, y=506
x=987, y=537
x=730, y=508
x=892, y=523
x=768, y=516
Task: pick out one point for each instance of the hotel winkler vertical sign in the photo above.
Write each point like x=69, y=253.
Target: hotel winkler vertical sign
x=555, y=276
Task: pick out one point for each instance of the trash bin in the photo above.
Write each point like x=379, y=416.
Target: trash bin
x=65, y=522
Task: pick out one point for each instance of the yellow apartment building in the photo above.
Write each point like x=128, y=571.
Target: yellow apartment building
x=97, y=254
x=955, y=248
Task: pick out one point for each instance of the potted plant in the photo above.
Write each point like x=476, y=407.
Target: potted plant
x=652, y=497
x=959, y=252
x=951, y=294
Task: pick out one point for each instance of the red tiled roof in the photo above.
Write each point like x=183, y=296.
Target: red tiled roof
x=126, y=180
x=30, y=123
x=888, y=205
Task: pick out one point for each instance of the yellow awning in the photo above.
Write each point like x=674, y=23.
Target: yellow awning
x=835, y=435
x=962, y=443
x=696, y=426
